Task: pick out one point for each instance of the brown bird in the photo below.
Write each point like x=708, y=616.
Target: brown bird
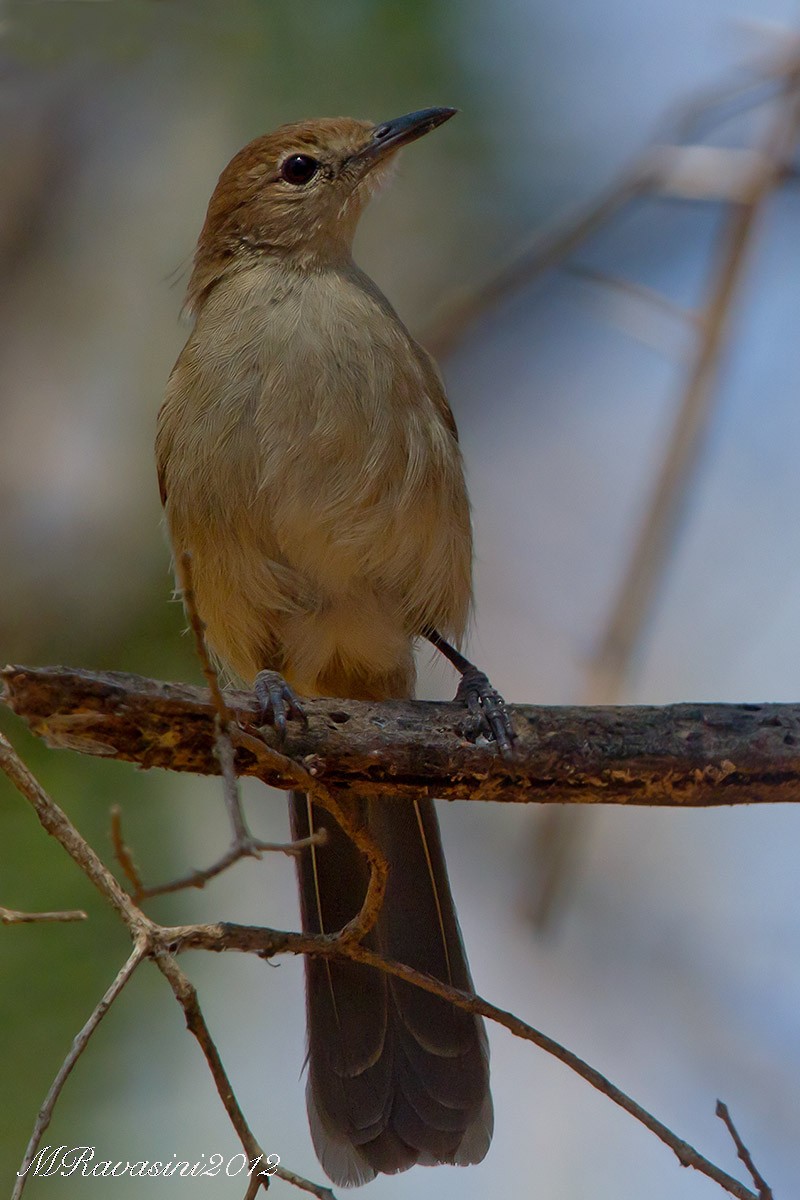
x=309, y=462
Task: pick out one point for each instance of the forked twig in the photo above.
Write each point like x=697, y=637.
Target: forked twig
x=777, y=81
x=764, y=1190
x=199, y=877
x=150, y=939
x=323, y=1193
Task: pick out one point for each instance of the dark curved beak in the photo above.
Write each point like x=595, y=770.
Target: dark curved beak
x=391, y=135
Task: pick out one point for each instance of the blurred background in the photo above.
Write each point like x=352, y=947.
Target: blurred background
x=664, y=947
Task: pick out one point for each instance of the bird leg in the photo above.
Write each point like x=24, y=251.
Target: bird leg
x=277, y=701
x=486, y=706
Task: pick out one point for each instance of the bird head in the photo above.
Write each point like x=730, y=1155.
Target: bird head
x=298, y=193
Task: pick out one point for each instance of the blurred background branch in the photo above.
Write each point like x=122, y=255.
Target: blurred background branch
x=743, y=182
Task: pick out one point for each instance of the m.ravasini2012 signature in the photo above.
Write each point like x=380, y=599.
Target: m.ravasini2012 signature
x=82, y=1160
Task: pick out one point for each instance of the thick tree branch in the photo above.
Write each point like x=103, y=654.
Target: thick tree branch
x=691, y=755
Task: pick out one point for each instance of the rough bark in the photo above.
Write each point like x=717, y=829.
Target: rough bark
x=678, y=755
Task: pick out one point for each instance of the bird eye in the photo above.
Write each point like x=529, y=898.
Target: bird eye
x=299, y=169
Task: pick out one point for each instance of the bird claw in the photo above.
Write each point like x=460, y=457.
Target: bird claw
x=487, y=709
x=277, y=702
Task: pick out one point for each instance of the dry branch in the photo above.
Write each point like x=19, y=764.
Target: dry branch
x=77, y=1048
x=12, y=916
x=763, y=1188
x=693, y=755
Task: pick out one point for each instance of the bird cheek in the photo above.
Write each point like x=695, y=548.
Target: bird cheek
x=379, y=177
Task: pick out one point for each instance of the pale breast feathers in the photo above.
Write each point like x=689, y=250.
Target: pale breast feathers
x=306, y=377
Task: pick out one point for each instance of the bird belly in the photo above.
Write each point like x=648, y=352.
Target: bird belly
x=369, y=536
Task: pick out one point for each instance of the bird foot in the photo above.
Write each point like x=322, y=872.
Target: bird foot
x=487, y=710
x=277, y=702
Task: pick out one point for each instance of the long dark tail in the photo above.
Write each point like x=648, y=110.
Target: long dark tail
x=396, y=1076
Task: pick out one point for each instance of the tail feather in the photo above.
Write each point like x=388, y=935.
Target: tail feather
x=397, y=1076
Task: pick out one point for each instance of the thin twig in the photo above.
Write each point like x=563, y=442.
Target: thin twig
x=185, y=993
x=253, y=1187
x=223, y=752
x=686, y=1154
x=638, y=291
x=199, y=877
x=123, y=854
x=722, y=103
x=11, y=916
x=322, y=1193
x=223, y=747
x=346, y=813
x=183, y=567
x=76, y=1050
x=764, y=1190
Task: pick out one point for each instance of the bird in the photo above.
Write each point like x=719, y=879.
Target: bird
x=309, y=463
